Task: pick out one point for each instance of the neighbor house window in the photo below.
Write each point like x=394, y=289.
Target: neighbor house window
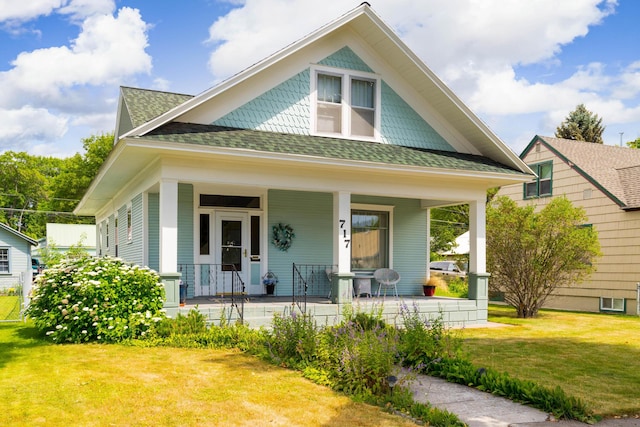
x=346, y=104
x=541, y=186
x=4, y=260
x=612, y=304
x=370, y=236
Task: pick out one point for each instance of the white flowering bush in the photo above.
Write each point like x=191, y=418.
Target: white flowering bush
x=96, y=299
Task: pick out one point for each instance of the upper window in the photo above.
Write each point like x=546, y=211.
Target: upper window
x=541, y=186
x=369, y=239
x=346, y=104
x=4, y=260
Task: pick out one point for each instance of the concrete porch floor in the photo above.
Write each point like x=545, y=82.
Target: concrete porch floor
x=259, y=310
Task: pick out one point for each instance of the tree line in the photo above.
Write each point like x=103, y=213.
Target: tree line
x=40, y=189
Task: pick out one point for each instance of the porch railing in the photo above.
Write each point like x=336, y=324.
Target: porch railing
x=311, y=280
x=220, y=280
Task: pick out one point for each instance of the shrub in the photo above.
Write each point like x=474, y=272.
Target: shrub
x=423, y=341
x=193, y=323
x=358, y=359
x=96, y=299
x=459, y=287
x=293, y=339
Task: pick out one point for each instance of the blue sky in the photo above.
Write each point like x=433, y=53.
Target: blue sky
x=521, y=66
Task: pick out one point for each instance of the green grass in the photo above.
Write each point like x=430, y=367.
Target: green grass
x=591, y=356
x=95, y=385
x=9, y=307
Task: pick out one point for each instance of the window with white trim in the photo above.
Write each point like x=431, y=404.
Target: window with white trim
x=612, y=304
x=129, y=224
x=4, y=261
x=346, y=103
x=370, y=237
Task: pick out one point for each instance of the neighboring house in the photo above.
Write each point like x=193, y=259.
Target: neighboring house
x=15, y=259
x=61, y=237
x=605, y=181
x=344, y=136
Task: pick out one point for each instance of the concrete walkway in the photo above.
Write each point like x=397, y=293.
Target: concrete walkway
x=481, y=409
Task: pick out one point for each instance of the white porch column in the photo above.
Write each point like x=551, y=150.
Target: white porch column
x=427, y=273
x=342, y=280
x=478, y=277
x=342, y=231
x=168, y=226
x=477, y=237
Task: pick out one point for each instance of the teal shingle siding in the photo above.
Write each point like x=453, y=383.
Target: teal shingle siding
x=401, y=125
x=322, y=147
x=409, y=240
x=285, y=108
x=311, y=217
x=153, y=232
x=347, y=59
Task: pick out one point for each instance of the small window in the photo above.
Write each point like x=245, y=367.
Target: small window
x=612, y=304
x=205, y=236
x=540, y=186
x=4, y=260
x=217, y=200
x=255, y=238
x=346, y=104
x=129, y=225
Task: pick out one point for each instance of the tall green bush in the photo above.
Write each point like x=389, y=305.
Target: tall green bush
x=96, y=299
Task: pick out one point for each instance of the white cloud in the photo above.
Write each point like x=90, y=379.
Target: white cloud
x=78, y=80
x=22, y=125
x=25, y=10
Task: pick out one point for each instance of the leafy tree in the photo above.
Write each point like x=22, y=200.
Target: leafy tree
x=634, y=144
x=446, y=224
x=76, y=174
x=581, y=125
x=530, y=254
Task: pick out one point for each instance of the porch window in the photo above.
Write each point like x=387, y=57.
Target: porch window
x=346, y=104
x=541, y=186
x=255, y=238
x=205, y=236
x=369, y=239
x=4, y=260
x=129, y=225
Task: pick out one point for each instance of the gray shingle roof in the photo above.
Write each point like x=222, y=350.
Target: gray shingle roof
x=323, y=147
x=144, y=105
x=615, y=169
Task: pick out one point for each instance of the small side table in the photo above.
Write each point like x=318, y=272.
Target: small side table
x=362, y=284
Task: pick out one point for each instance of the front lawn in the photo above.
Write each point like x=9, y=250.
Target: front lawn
x=96, y=384
x=591, y=356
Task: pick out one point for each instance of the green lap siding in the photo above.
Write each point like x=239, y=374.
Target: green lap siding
x=311, y=216
x=185, y=224
x=153, y=233
x=131, y=249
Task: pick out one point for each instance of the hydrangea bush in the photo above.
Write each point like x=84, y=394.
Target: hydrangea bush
x=96, y=299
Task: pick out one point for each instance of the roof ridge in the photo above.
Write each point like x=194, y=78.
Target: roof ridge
x=156, y=91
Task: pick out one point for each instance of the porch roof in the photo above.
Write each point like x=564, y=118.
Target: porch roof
x=324, y=147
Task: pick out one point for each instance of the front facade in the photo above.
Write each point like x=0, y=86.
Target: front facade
x=603, y=180
x=15, y=260
x=327, y=155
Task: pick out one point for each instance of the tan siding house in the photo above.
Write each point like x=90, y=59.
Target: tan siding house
x=605, y=181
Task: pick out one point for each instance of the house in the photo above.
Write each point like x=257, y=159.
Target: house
x=605, y=181
x=15, y=260
x=62, y=237
x=324, y=157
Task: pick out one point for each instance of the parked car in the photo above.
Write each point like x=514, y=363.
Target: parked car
x=36, y=267
x=446, y=269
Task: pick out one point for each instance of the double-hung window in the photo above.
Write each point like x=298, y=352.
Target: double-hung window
x=541, y=186
x=370, y=239
x=4, y=261
x=346, y=104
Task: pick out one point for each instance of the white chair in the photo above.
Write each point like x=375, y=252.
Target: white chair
x=388, y=278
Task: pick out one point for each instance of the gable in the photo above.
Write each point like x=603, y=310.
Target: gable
x=611, y=169
x=11, y=237
x=287, y=109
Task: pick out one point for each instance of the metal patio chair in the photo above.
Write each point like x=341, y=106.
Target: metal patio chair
x=387, y=278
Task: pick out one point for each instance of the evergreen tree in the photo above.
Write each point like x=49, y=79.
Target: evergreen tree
x=581, y=125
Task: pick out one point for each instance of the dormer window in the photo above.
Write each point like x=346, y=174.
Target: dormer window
x=346, y=104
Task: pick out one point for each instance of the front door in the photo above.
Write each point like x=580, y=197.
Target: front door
x=232, y=242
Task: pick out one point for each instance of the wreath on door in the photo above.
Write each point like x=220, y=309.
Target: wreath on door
x=282, y=236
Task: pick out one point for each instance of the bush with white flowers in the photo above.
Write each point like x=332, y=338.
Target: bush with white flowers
x=96, y=299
